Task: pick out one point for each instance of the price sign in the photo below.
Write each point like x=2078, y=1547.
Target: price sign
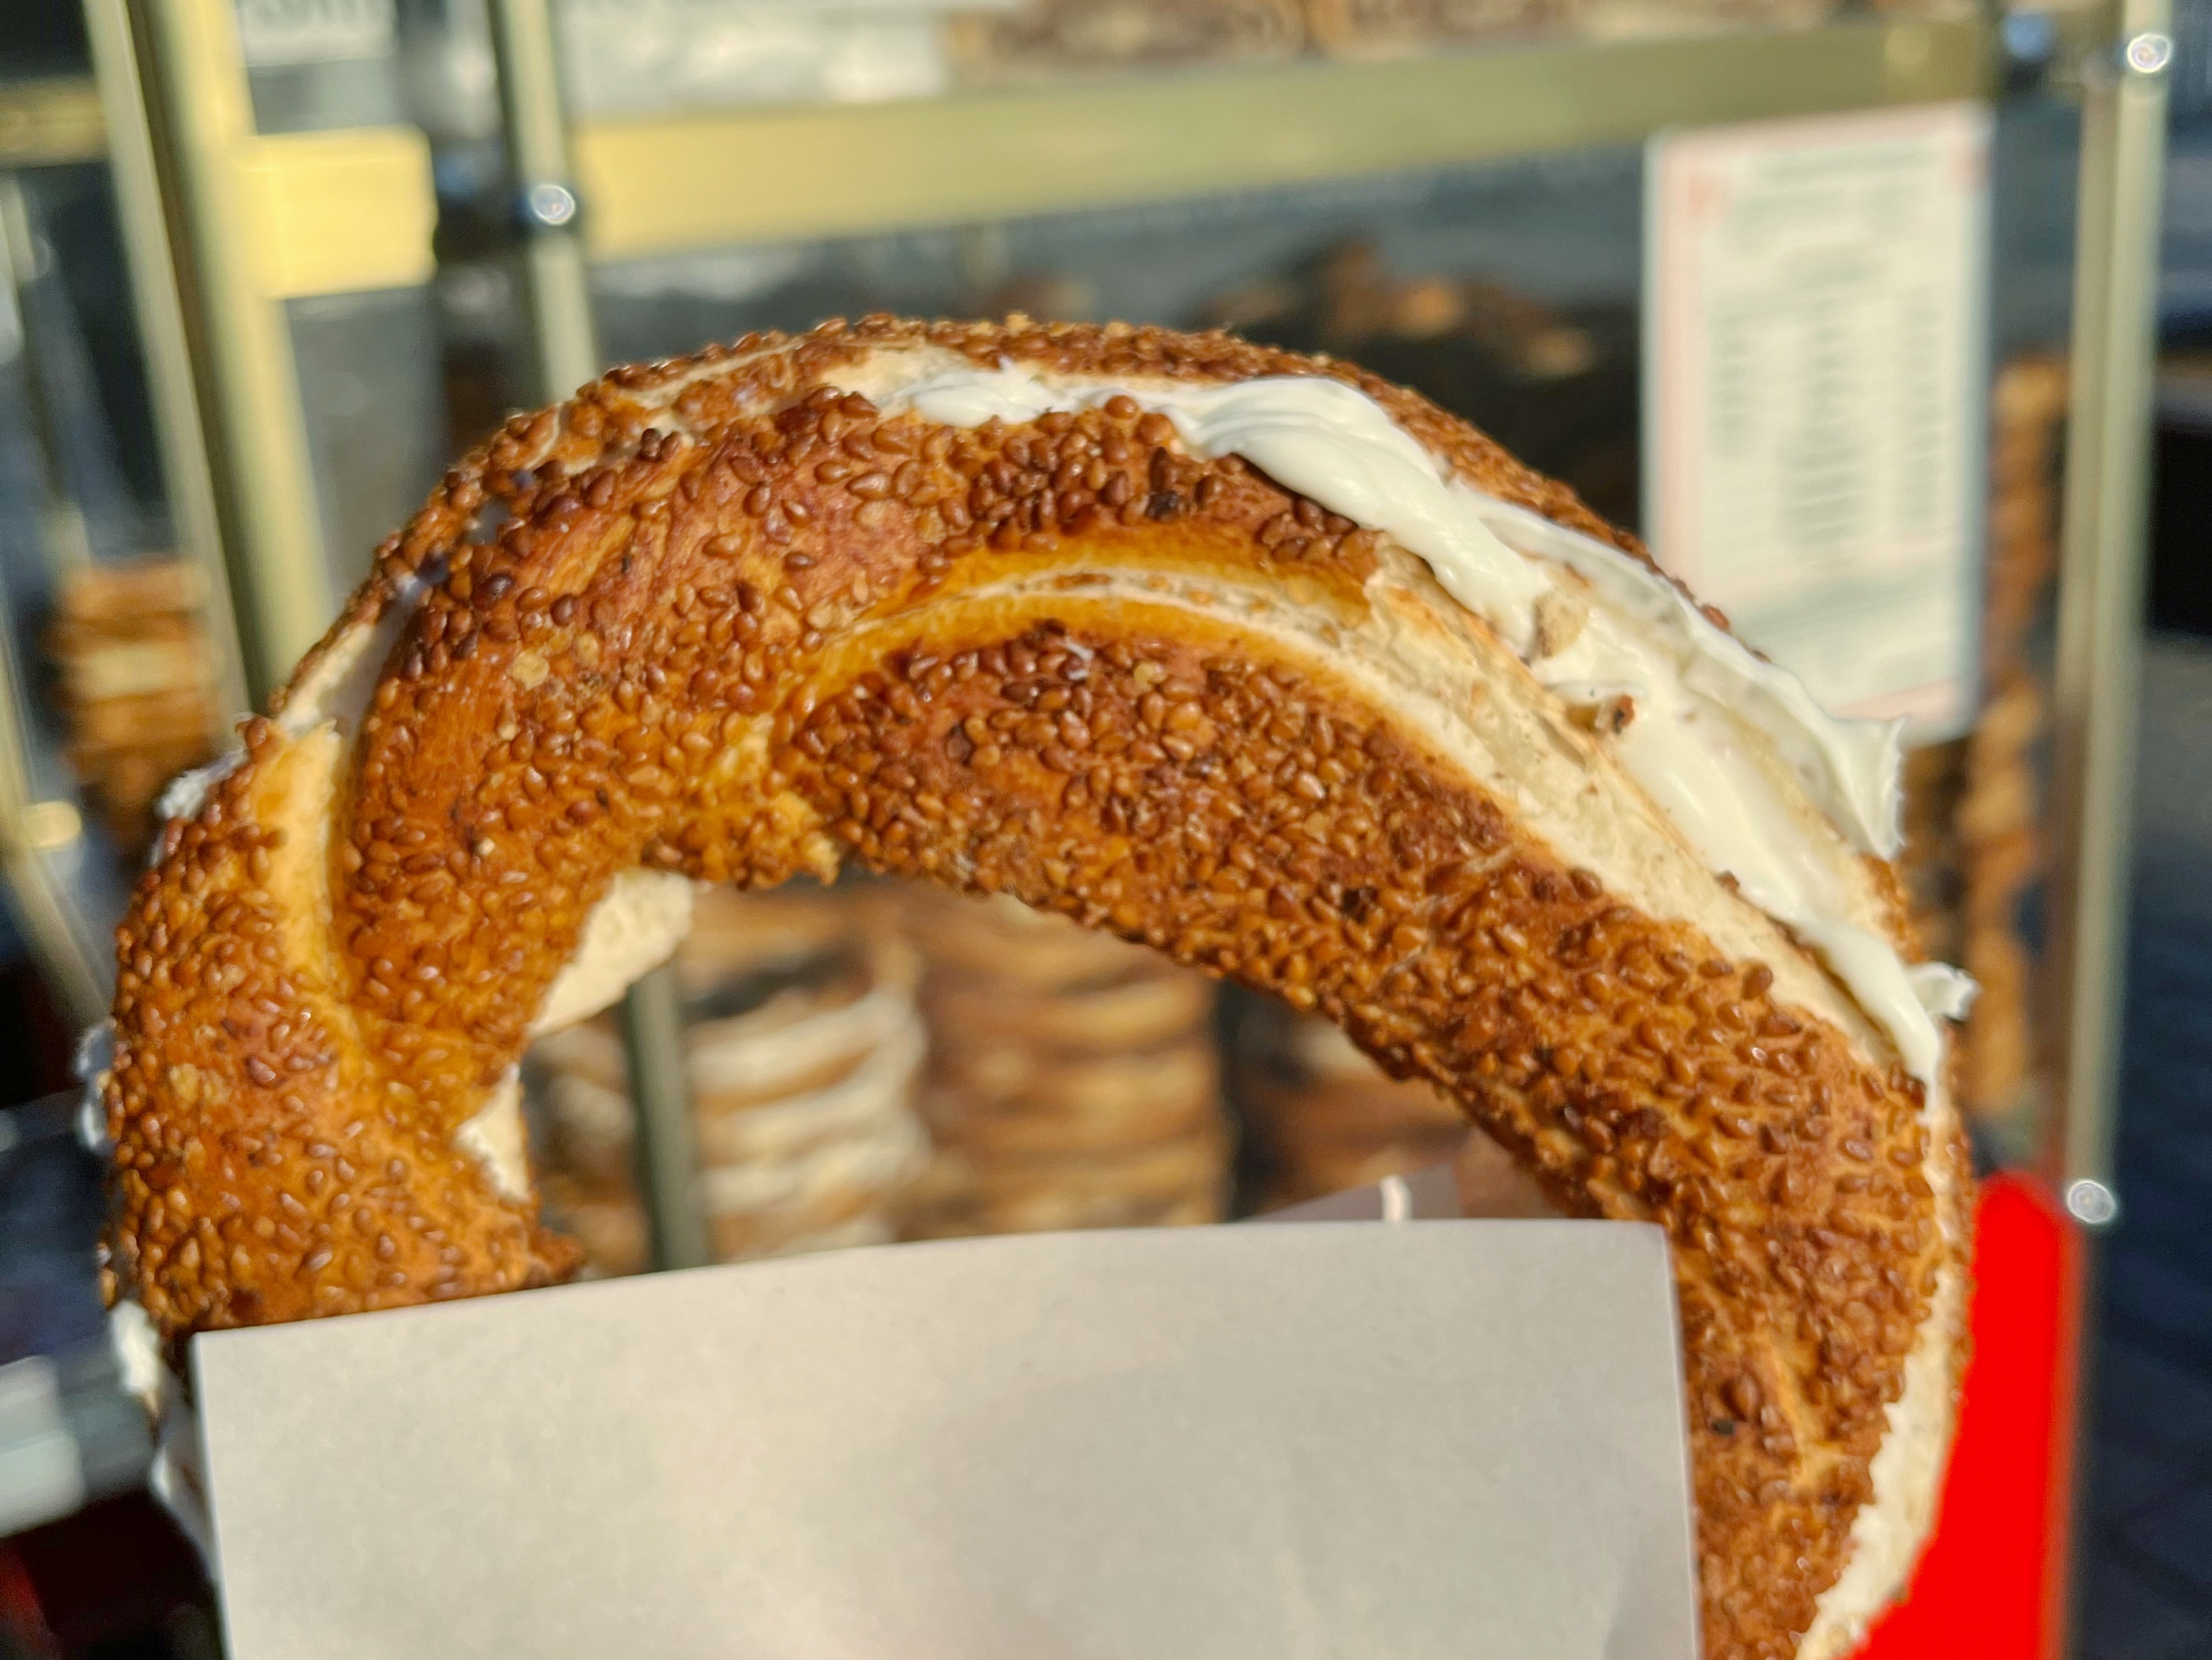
x=1815, y=392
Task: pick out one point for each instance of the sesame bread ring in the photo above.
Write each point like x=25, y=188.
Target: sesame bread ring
x=1252, y=657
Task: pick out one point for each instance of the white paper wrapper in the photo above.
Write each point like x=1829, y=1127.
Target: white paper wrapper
x=1428, y=1439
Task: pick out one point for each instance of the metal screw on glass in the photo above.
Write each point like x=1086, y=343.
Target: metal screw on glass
x=2148, y=54
x=667, y=1148
x=549, y=206
x=2136, y=62
x=2091, y=1203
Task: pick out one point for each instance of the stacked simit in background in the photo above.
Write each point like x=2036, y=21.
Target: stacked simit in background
x=137, y=683
x=804, y=1043
x=1045, y=40
x=1072, y=1081
x=1320, y=1117
x=1972, y=854
x=1038, y=39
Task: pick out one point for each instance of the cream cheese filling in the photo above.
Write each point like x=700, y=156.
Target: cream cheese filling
x=1697, y=701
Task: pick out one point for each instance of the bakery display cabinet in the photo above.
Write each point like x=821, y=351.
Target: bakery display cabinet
x=359, y=232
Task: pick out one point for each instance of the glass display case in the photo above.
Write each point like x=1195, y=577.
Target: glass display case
x=358, y=234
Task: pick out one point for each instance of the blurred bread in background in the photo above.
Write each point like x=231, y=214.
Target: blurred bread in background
x=1073, y=1082
x=1043, y=40
x=803, y=1045
x=136, y=677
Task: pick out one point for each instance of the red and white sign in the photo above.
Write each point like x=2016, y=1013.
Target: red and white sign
x=1815, y=389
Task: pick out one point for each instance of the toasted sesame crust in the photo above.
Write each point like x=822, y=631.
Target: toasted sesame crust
x=733, y=622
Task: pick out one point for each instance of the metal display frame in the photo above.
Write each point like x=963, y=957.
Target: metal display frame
x=223, y=224
x=2103, y=556
x=663, y=184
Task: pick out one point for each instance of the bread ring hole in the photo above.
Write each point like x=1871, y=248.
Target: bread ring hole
x=1065, y=1078
x=1319, y=1117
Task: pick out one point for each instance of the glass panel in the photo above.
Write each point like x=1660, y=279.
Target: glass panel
x=1507, y=293
x=369, y=368
x=627, y=58
x=368, y=364
x=1566, y=227
x=111, y=670
x=1510, y=294
x=1980, y=876
x=317, y=65
x=1072, y=1081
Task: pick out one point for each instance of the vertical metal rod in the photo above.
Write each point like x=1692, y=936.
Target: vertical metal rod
x=565, y=354
x=178, y=435
x=2097, y=677
x=667, y=1141
x=240, y=340
x=564, y=341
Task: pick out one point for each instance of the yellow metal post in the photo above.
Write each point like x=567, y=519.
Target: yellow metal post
x=239, y=338
x=2097, y=681
x=187, y=482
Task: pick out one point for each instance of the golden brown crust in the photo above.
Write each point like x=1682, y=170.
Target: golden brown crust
x=734, y=625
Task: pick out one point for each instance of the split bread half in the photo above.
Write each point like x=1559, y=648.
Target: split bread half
x=1251, y=657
